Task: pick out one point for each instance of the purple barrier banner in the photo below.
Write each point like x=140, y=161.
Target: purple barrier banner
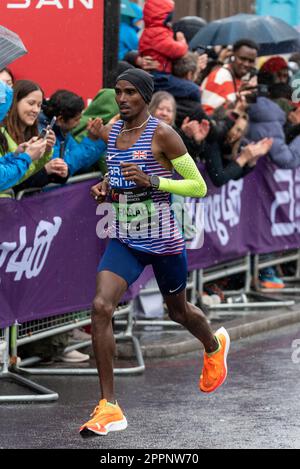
x=49, y=250
x=272, y=223
x=258, y=214
x=223, y=227
x=48, y=254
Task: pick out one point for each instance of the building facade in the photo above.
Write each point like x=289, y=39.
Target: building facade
x=287, y=10
x=213, y=9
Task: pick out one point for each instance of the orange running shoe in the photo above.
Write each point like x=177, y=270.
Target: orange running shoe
x=105, y=418
x=214, y=370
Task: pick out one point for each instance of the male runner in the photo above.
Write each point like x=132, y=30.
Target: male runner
x=142, y=151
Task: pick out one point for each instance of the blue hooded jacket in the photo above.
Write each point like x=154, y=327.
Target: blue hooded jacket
x=267, y=120
x=78, y=156
x=12, y=167
x=128, y=37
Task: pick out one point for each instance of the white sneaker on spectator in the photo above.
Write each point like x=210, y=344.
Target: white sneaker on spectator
x=74, y=357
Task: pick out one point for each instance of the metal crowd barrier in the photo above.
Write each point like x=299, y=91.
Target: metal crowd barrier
x=42, y=394
x=36, y=330
x=262, y=261
x=250, y=299
x=72, y=180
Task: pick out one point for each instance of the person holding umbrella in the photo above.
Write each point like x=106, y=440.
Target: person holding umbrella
x=224, y=83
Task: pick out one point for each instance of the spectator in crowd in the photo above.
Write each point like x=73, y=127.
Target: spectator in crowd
x=187, y=97
x=216, y=57
x=13, y=166
x=67, y=107
x=267, y=119
x=129, y=29
x=193, y=133
x=224, y=161
x=52, y=349
x=7, y=76
x=278, y=67
x=103, y=106
x=294, y=66
x=163, y=107
x=157, y=40
x=235, y=158
x=223, y=83
x=20, y=125
x=181, y=85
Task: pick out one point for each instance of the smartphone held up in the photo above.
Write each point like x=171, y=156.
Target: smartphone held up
x=45, y=132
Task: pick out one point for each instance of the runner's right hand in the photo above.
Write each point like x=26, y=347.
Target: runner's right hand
x=100, y=191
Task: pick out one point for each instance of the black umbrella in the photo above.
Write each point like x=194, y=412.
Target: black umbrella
x=11, y=47
x=189, y=26
x=272, y=34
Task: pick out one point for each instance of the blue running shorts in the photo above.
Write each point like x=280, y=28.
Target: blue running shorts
x=170, y=271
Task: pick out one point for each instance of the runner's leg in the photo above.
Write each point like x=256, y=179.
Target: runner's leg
x=109, y=291
x=171, y=275
x=192, y=318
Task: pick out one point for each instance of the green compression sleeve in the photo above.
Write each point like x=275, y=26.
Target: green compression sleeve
x=193, y=184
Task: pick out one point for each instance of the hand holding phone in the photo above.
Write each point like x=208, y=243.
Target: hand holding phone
x=44, y=132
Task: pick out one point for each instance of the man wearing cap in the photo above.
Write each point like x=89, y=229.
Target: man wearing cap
x=141, y=154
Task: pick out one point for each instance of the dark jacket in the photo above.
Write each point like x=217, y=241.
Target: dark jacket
x=221, y=170
x=268, y=120
x=177, y=87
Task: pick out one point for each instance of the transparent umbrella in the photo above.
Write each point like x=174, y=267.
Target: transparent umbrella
x=11, y=47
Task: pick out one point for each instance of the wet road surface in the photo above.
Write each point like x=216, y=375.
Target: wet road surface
x=258, y=407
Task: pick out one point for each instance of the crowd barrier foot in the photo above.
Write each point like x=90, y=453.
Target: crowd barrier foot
x=12, y=374
x=249, y=302
x=133, y=370
x=45, y=394
x=124, y=336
